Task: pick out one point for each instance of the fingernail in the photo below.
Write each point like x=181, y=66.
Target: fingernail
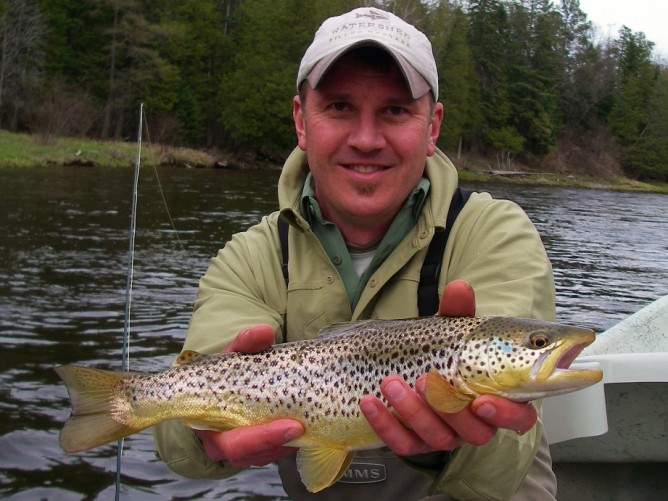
x=369, y=409
x=292, y=433
x=394, y=390
x=486, y=411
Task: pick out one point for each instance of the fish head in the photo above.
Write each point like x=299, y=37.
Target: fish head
x=525, y=359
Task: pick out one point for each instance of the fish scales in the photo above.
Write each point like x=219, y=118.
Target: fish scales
x=311, y=380
x=320, y=382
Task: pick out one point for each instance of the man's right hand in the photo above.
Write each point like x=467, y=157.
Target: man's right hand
x=256, y=445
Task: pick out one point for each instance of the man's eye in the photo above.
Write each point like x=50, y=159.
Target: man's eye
x=396, y=110
x=340, y=106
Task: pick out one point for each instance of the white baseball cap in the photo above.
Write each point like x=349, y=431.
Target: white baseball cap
x=409, y=47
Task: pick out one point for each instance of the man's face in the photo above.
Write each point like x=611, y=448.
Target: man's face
x=366, y=140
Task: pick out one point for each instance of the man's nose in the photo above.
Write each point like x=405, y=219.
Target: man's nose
x=366, y=134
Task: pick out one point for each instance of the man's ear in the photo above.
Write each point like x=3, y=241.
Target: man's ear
x=298, y=117
x=435, y=130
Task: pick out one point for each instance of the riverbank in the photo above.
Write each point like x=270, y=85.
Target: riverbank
x=24, y=150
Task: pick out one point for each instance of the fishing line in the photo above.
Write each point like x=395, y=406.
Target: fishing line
x=125, y=353
x=162, y=194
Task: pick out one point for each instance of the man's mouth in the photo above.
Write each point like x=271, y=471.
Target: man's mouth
x=365, y=169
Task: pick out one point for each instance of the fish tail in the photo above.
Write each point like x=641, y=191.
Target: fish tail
x=91, y=423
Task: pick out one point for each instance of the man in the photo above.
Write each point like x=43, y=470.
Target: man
x=364, y=193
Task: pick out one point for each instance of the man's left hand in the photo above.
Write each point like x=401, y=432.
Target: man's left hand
x=414, y=427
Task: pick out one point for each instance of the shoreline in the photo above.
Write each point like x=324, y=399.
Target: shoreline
x=24, y=150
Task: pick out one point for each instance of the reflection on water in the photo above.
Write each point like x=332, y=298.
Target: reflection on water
x=63, y=254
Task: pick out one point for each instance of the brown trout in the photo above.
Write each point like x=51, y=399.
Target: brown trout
x=320, y=381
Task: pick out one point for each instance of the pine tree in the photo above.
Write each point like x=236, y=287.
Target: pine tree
x=448, y=30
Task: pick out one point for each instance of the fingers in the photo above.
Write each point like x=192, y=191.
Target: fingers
x=251, y=445
x=414, y=427
x=502, y=413
x=425, y=430
x=252, y=339
x=457, y=300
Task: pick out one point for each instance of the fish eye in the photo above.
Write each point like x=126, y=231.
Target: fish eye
x=539, y=340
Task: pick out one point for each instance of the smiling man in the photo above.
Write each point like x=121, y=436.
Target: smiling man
x=364, y=194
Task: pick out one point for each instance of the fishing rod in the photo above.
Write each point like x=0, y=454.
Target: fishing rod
x=125, y=353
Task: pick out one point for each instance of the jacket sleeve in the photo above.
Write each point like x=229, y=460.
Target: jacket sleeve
x=497, y=249
x=242, y=287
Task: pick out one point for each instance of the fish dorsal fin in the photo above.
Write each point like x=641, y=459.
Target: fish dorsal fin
x=188, y=356
x=320, y=467
x=442, y=396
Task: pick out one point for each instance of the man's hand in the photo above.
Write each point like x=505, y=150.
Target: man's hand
x=428, y=430
x=252, y=445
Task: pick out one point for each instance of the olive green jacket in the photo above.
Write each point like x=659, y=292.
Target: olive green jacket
x=493, y=245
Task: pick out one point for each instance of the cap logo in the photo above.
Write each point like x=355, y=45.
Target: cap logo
x=374, y=16
x=363, y=28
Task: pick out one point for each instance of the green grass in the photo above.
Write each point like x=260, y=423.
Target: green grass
x=568, y=181
x=25, y=150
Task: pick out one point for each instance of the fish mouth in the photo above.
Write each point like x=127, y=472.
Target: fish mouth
x=567, y=358
x=553, y=373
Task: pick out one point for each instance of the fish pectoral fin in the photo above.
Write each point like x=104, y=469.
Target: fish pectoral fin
x=442, y=396
x=200, y=426
x=320, y=467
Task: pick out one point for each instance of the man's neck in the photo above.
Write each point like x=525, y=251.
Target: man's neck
x=362, y=236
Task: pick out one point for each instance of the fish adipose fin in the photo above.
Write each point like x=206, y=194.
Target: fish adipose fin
x=442, y=396
x=91, y=423
x=320, y=467
x=188, y=357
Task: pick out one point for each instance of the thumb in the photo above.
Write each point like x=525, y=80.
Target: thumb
x=252, y=339
x=457, y=300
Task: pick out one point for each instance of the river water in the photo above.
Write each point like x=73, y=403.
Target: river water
x=63, y=259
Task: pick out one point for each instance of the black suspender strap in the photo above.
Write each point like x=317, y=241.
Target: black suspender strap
x=427, y=296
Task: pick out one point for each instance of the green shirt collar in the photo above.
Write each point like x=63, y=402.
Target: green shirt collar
x=332, y=241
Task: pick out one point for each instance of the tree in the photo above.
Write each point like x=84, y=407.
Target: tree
x=490, y=40
x=257, y=88
x=196, y=48
x=636, y=79
x=648, y=157
x=448, y=32
x=21, y=31
x=534, y=72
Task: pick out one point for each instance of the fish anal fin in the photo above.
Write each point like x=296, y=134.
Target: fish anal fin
x=320, y=467
x=442, y=396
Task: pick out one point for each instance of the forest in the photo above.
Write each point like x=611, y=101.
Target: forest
x=521, y=80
